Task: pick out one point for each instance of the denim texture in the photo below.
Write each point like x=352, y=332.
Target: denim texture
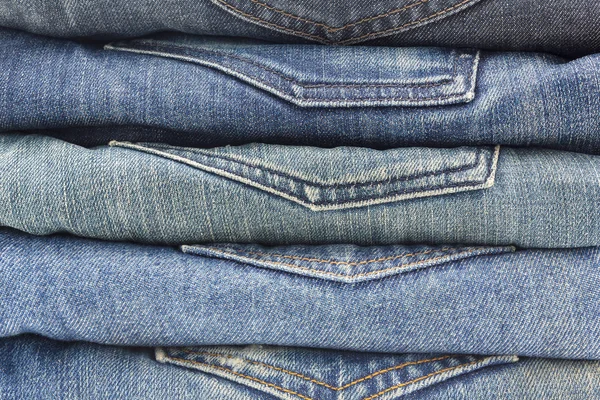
x=391, y=299
x=38, y=368
x=557, y=26
x=178, y=90
x=273, y=194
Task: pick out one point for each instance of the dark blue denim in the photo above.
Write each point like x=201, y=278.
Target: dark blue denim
x=567, y=27
x=208, y=92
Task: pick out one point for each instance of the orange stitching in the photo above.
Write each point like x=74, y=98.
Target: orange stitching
x=325, y=40
x=308, y=398
x=336, y=29
x=447, y=10
x=334, y=262
x=421, y=378
x=293, y=266
x=243, y=376
x=336, y=388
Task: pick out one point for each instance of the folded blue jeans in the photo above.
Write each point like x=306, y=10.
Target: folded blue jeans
x=274, y=194
x=210, y=92
x=567, y=27
x=34, y=367
x=389, y=299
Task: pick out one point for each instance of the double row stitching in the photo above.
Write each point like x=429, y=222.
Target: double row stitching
x=303, y=397
x=402, y=266
x=327, y=41
x=336, y=262
x=447, y=10
x=422, y=378
x=332, y=29
x=167, y=46
x=272, y=171
x=306, y=378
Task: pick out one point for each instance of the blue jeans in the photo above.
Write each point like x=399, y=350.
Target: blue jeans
x=273, y=194
x=392, y=299
x=203, y=92
x=37, y=368
x=560, y=26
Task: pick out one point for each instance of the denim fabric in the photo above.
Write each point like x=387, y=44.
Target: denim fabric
x=392, y=299
x=203, y=92
x=37, y=368
x=273, y=194
x=562, y=26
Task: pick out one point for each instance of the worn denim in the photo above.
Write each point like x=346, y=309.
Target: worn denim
x=204, y=92
x=569, y=27
x=37, y=368
x=273, y=194
x=391, y=299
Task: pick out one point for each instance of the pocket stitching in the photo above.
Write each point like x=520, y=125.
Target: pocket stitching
x=336, y=29
x=303, y=397
x=335, y=262
x=325, y=204
x=349, y=40
x=462, y=255
x=313, y=380
x=166, y=47
x=319, y=185
x=447, y=10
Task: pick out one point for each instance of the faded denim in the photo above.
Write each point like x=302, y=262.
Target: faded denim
x=566, y=27
x=390, y=299
x=37, y=368
x=273, y=194
x=209, y=92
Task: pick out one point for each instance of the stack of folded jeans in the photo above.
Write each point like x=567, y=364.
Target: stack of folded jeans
x=218, y=200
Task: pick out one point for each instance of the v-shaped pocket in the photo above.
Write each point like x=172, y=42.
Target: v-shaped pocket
x=306, y=374
x=342, y=177
x=328, y=76
x=343, y=263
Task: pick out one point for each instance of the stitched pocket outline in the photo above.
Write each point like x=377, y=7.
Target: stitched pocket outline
x=343, y=177
x=293, y=374
x=343, y=263
x=348, y=23
x=424, y=83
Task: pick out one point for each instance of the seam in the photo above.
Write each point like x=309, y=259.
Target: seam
x=307, y=182
x=325, y=40
x=422, y=378
x=241, y=375
x=463, y=254
x=326, y=101
x=345, y=202
x=335, y=262
x=321, y=383
x=447, y=10
x=264, y=22
x=168, y=46
x=268, y=384
x=332, y=29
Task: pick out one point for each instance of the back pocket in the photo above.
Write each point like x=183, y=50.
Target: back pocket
x=328, y=76
x=306, y=374
x=342, y=21
x=342, y=177
x=343, y=263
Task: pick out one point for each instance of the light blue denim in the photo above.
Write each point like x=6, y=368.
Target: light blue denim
x=391, y=299
x=37, y=368
x=274, y=194
x=560, y=26
x=209, y=92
